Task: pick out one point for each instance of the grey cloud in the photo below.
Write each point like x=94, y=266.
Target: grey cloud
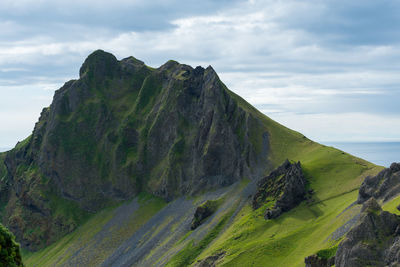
x=359, y=22
x=116, y=15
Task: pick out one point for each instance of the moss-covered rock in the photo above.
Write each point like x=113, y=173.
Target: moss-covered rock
x=285, y=187
x=204, y=211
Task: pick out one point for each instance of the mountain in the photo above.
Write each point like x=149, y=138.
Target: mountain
x=124, y=128
x=132, y=165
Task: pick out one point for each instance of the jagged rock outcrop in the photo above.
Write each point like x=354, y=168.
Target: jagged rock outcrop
x=373, y=241
x=123, y=128
x=9, y=250
x=383, y=186
x=286, y=186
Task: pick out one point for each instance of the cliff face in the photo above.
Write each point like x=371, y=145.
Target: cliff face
x=120, y=129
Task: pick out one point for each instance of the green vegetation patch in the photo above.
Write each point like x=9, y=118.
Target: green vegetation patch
x=23, y=143
x=391, y=205
x=9, y=250
x=327, y=253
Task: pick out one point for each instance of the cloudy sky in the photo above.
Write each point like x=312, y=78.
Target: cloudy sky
x=329, y=69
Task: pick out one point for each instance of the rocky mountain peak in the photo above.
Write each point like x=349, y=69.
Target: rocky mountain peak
x=133, y=61
x=99, y=64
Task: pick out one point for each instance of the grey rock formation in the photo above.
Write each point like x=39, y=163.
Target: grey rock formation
x=286, y=185
x=383, y=186
x=373, y=241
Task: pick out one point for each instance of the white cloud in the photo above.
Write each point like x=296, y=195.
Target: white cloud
x=17, y=126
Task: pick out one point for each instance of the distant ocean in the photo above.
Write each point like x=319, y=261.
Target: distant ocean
x=380, y=153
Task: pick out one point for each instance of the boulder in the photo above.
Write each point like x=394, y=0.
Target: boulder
x=204, y=211
x=286, y=186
